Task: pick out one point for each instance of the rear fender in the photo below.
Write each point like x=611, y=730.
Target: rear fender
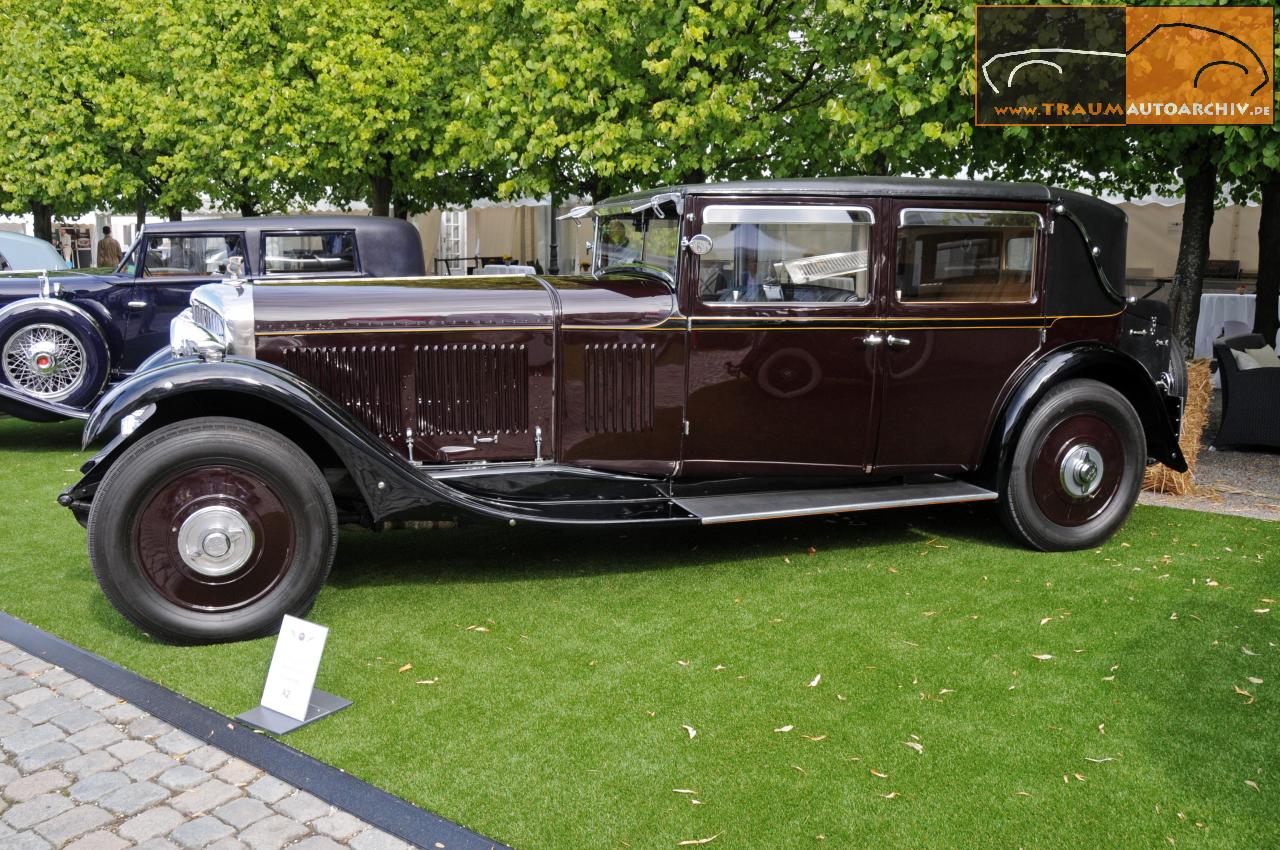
x=1159, y=413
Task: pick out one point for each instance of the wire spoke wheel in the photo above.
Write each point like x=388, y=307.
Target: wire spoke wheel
x=44, y=360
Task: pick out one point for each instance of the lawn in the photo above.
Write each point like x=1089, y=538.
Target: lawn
x=901, y=679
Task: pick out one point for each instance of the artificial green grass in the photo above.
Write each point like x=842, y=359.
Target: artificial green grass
x=564, y=664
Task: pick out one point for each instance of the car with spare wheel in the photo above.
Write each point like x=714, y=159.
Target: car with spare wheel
x=66, y=336
x=741, y=351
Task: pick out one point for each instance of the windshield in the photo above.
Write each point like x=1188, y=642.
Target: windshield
x=638, y=238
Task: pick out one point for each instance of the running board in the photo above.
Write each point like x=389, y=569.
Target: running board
x=744, y=507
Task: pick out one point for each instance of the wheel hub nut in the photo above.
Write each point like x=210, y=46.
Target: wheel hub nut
x=215, y=541
x=216, y=544
x=1081, y=472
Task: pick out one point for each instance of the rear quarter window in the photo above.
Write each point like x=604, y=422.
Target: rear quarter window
x=313, y=252
x=966, y=256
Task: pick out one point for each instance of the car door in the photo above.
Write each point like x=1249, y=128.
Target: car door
x=782, y=353
x=963, y=314
x=170, y=266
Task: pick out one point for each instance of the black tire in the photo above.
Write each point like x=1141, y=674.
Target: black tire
x=85, y=369
x=159, y=497
x=1076, y=470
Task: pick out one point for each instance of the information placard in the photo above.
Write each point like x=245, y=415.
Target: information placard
x=293, y=667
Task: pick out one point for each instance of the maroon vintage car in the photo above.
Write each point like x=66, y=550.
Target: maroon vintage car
x=742, y=351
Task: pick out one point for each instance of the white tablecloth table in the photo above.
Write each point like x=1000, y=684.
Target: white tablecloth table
x=499, y=268
x=1216, y=308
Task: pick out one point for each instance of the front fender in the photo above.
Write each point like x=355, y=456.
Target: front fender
x=24, y=406
x=1159, y=413
x=388, y=482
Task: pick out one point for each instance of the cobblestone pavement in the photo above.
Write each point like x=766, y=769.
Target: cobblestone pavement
x=82, y=769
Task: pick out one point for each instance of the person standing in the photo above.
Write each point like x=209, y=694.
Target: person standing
x=108, y=249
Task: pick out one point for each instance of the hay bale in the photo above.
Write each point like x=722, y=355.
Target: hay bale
x=1162, y=479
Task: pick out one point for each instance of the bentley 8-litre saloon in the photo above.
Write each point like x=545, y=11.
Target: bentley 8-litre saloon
x=741, y=351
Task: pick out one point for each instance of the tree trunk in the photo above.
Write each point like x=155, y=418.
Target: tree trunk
x=1265, y=318
x=248, y=209
x=401, y=208
x=140, y=210
x=380, y=194
x=173, y=213
x=43, y=226
x=1200, y=187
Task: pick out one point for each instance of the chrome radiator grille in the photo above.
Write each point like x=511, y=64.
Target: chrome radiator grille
x=209, y=319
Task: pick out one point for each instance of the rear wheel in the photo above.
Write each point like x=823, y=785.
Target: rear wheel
x=211, y=530
x=1076, y=469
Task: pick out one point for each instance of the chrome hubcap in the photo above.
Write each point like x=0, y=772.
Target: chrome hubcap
x=215, y=541
x=45, y=361
x=1081, y=472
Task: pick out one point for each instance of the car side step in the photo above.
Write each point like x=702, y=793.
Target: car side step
x=743, y=507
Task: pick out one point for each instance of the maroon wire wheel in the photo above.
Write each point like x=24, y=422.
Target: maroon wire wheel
x=214, y=538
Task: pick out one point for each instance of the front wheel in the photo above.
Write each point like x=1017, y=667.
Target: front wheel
x=1076, y=469
x=211, y=530
x=52, y=358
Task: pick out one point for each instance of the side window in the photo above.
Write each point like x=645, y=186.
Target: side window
x=187, y=256
x=955, y=256
x=786, y=255
x=314, y=252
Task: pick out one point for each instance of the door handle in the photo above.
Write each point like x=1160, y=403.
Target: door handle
x=897, y=341
x=872, y=340
x=137, y=305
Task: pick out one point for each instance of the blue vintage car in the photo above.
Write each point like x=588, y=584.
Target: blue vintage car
x=66, y=336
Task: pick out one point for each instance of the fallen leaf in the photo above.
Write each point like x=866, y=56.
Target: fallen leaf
x=695, y=841
x=1099, y=760
x=1022, y=793
x=814, y=738
x=683, y=791
x=840, y=697
x=404, y=668
x=1255, y=680
x=785, y=559
x=799, y=768
x=786, y=728
x=919, y=748
x=1102, y=728
x=1044, y=657
x=1242, y=692
x=1045, y=620
x=1262, y=610
x=1252, y=784
x=812, y=551
x=1079, y=776
x=477, y=628
x=945, y=691
x=891, y=795
x=719, y=667
x=693, y=733
x=878, y=775
x=1247, y=651
x=427, y=681
x=1108, y=678
x=813, y=683
x=1173, y=616
x=682, y=663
